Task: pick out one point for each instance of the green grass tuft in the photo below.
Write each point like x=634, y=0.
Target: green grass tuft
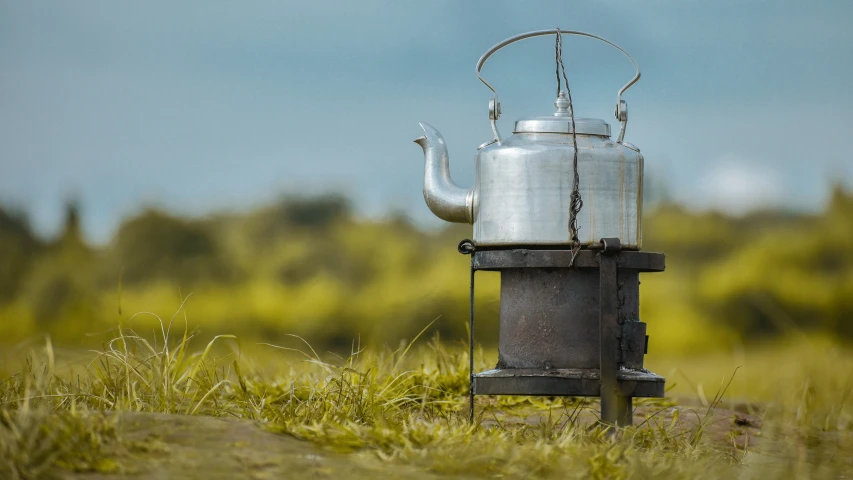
x=406, y=406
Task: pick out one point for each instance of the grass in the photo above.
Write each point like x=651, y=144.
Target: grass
x=408, y=407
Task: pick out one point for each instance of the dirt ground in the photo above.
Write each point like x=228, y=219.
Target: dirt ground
x=159, y=446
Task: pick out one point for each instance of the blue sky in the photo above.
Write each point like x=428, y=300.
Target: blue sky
x=201, y=106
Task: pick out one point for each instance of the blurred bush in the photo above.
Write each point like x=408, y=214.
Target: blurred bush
x=18, y=249
x=156, y=246
x=309, y=266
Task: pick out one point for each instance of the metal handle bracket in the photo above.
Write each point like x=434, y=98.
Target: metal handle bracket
x=495, y=105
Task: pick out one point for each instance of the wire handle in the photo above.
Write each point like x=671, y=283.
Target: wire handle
x=495, y=105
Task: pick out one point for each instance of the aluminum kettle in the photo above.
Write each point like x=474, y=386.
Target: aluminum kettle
x=523, y=183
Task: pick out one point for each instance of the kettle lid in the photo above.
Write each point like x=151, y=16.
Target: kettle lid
x=561, y=122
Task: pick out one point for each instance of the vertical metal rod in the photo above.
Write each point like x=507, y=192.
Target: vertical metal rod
x=615, y=408
x=624, y=411
x=471, y=349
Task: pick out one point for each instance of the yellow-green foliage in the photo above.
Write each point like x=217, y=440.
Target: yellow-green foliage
x=311, y=267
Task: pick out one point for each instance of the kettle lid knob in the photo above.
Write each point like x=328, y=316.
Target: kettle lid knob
x=562, y=104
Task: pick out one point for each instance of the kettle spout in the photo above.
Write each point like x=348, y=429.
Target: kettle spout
x=443, y=197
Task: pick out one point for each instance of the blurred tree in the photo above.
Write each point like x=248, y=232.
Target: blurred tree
x=308, y=265
x=318, y=212
x=18, y=249
x=61, y=282
x=798, y=275
x=157, y=246
x=293, y=214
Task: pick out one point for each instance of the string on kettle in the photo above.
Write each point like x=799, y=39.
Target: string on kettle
x=576, y=202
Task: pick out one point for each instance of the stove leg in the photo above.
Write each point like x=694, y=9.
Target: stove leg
x=615, y=407
x=625, y=416
x=471, y=349
x=617, y=410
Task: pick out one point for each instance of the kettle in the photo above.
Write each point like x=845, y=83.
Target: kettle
x=524, y=183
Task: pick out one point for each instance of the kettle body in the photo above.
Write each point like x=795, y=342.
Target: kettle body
x=523, y=187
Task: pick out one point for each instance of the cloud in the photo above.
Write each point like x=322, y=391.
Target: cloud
x=737, y=185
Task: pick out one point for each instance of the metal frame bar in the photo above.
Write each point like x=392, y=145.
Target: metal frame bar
x=548, y=258
x=565, y=382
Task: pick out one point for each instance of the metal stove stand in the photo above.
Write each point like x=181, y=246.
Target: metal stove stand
x=612, y=381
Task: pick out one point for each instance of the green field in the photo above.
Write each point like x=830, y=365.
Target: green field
x=785, y=413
